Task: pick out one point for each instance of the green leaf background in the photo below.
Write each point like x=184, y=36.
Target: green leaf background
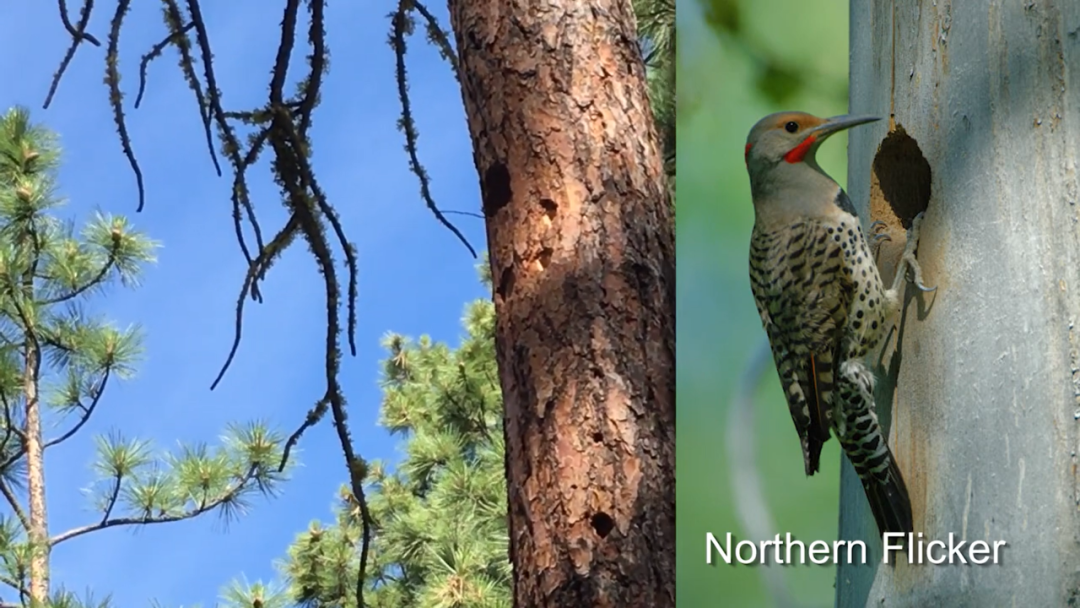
x=738, y=61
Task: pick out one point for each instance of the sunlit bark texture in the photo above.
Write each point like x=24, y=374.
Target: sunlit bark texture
x=983, y=387
x=583, y=263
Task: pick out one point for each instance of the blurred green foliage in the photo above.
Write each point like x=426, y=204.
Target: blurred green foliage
x=737, y=61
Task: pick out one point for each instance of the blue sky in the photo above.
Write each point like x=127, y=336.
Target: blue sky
x=415, y=277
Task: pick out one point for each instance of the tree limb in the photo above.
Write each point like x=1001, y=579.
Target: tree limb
x=118, y=480
x=98, y=278
x=87, y=412
x=401, y=25
x=15, y=506
x=155, y=52
x=130, y=521
x=78, y=34
x=116, y=98
x=438, y=36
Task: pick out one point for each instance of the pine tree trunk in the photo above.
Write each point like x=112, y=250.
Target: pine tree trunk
x=38, y=534
x=583, y=262
x=986, y=402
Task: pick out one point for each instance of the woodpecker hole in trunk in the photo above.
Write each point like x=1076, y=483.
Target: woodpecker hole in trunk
x=899, y=190
x=602, y=524
x=900, y=179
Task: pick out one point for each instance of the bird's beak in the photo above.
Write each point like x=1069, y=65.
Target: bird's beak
x=839, y=123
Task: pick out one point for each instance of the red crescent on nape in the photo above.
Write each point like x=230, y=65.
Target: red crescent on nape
x=798, y=153
x=746, y=153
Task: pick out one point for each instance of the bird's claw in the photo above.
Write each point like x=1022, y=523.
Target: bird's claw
x=923, y=288
x=915, y=272
x=878, y=235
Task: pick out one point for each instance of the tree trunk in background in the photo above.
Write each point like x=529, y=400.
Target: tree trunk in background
x=38, y=534
x=583, y=262
x=986, y=405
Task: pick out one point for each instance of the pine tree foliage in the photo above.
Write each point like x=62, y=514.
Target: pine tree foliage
x=57, y=358
x=656, y=27
x=440, y=517
x=778, y=77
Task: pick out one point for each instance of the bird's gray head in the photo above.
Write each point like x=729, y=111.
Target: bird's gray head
x=780, y=148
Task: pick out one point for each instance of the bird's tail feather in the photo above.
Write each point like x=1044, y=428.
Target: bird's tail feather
x=889, y=500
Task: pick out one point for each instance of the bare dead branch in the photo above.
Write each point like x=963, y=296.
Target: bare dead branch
x=155, y=52
x=173, y=21
x=284, y=53
x=282, y=127
x=78, y=35
x=78, y=32
x=313, y=417
x=255, y=272
x=468, y=213
x=116, y=98
x=401, y=26
x=298, y=179
x=317, y=61
x=438, y=36
x=214, y=110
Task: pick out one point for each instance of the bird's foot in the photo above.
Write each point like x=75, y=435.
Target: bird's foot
x=908, y=259
x=878, y=236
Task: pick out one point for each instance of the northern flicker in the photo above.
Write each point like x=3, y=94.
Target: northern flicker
x=822, y=301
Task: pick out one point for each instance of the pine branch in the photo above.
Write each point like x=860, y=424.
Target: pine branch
x=17, y=585
x=98, y=278
x=205, y=507
x=118, y=481
x=27, y=328
x=9, y=429
x=87, y=412
x=13, y=502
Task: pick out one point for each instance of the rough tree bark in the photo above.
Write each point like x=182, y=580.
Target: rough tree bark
x=33, y=442
x=985, y=408
x=582, y=254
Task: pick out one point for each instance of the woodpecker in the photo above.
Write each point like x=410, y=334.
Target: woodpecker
x=822, y=301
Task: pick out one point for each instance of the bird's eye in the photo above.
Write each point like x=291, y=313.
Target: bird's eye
x=791, y=126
